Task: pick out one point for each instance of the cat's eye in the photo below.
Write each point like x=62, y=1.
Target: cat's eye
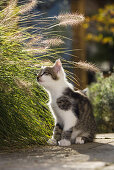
x=46, y=73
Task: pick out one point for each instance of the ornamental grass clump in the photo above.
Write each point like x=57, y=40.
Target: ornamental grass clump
x=25, y=118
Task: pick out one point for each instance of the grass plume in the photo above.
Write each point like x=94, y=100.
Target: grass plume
x=34, y=40
x=36, y=50
x=53, y=42
x=70, y=19
x=86, y=66
x=28, y=6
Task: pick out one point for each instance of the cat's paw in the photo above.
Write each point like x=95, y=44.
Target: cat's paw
x=79, y=140
x=52, y=142
x=64, y=142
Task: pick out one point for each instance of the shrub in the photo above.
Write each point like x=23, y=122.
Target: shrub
x=24, y=116
x=102, y=97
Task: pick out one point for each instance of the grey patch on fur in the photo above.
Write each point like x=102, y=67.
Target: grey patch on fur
x=60, y=126
x=64, y=103
x=66, y=134
x=48, y=71
x=87, y=139
x=57, y=132
x=75, y=109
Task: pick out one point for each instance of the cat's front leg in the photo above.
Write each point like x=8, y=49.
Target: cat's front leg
x=52, y=141
x=70, y=121
x=57, y=132
x=56, y=136
x=65, y=138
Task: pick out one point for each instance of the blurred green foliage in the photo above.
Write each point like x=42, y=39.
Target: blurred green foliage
x=25, y=118
x=103, y=21
x=102, y=98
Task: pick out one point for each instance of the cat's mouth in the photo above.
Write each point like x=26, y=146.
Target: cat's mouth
x=39, y=80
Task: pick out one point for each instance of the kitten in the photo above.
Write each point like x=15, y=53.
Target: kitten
x=72, y=109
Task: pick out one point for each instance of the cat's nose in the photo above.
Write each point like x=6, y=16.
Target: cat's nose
x=38, y=78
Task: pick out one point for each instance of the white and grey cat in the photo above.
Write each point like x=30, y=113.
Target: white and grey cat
x=72, y=109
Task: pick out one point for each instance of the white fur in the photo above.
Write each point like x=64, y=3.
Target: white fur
x=64, y=142
x=65, y=117
x=75, y=133
x=79, y=140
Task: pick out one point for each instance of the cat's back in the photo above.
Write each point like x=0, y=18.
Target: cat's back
x=81, y=104
x=75, y=95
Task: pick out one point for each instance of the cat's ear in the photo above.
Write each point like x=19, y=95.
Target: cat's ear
x=57, y=66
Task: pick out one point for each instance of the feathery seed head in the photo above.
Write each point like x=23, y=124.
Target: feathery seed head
x=22, y=83
x=86, y=66
x=37, y=50
x=53, y=42
x=70, y=19
x=28, y=7
x=34, y=40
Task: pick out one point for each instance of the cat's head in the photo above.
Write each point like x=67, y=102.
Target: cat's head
x=53, y=76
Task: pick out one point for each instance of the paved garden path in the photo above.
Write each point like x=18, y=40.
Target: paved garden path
x=98, y=155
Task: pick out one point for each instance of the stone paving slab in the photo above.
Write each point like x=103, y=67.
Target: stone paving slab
x=97, y=155
x=105, y=136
